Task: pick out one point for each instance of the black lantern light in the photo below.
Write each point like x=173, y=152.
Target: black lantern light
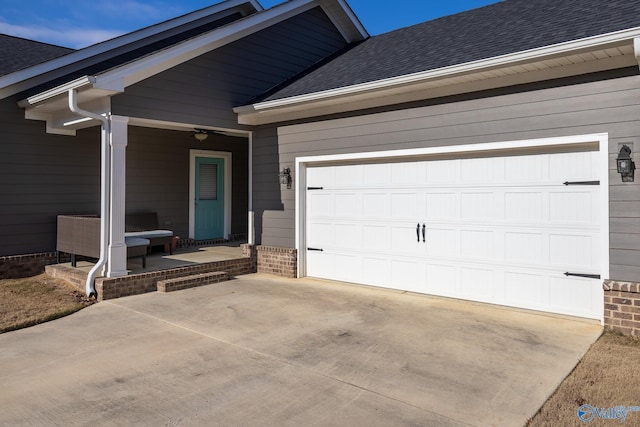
x=626, y=166
x=285, y=177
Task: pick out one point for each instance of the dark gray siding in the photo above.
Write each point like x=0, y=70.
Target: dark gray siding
x=610, y=106
x=158, y=175
x=205, y=90
x=42, y=176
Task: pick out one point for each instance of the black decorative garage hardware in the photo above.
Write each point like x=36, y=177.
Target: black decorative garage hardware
x=315, y=249
x=315, y=188
x=582, y=183
x=588, y=276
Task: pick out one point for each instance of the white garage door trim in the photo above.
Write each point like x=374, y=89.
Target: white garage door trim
x=506, y=147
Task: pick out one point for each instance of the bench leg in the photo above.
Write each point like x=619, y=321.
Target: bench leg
x=73, y=260
x=144, y=261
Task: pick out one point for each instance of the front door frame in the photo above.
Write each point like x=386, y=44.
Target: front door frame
x=226, y=157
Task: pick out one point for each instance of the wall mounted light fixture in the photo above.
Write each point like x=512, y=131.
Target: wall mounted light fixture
x=626, y=166
x=285, y=177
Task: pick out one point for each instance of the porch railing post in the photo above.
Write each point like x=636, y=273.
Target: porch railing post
x=117, y=259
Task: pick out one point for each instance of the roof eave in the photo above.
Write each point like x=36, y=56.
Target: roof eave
x=11, y=84
x=248, y=113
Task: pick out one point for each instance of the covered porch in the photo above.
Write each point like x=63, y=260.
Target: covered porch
x=187, y=267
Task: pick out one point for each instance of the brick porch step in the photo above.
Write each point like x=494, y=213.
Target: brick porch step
x=193, y=281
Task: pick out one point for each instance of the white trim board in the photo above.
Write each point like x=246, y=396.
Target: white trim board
x=226, y=156
x=602, y=141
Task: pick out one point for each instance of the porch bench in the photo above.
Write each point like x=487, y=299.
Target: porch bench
x=145, y=226
x=80, y=235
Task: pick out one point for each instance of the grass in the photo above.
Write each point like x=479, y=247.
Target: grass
x=606, y=377
x=33, y=300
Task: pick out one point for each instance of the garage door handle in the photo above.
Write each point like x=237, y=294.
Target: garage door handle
x=424, y=232
x=418, y=232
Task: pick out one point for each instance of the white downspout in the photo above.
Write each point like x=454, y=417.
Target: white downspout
x=105, y=183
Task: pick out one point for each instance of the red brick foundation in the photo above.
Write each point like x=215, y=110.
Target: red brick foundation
x=622, y=307
x=13, y=267
x=282, y=262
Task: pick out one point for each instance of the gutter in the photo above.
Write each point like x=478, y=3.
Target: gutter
x=105, y=183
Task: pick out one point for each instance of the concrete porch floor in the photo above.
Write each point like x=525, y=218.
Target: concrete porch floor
x=183, y=263
x=182, y=257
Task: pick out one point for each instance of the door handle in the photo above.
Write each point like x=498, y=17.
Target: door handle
x=424, y=232
x=418, y=232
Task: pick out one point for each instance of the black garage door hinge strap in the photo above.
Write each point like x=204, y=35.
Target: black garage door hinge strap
x=315, y=249
x=581, y=183
x=588, y=276
x=315, y=188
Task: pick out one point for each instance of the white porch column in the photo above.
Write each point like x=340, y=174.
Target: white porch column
x=117, y=254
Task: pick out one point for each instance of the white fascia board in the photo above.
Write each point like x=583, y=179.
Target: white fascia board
x=498, y=61
x=636, y=49
x=101, y=48
x=120, y=77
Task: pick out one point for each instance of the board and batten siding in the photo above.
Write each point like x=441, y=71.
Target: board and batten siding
x=205, y=89
x=608, y=106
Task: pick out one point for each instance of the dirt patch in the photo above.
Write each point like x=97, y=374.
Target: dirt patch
x=607, y=377
x=29, y=301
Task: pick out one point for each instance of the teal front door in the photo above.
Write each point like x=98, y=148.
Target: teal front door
x=209, y=200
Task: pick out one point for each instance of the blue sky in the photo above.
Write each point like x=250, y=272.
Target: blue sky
x=79, y=23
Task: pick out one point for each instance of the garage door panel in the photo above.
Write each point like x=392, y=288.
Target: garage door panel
x=442, y=172
x=525, y=248
x=442, y=242
x=376, y=237
x=502, y=230
x=482, y=171
x=527, y=169
x=376, y=271
x=575, y=296
x=407, y=205
x=377, y=174
x=572, y=207
x=376, y=205
x=408, y=174
x=525, y=290
x=477, y=244
x=347, y=268
x=480, y=206
x=443, y=280
x=320, y=234
x=441, y=206
x=572, y=251
x=524, y=206
x=409, y=275
x=477, y=284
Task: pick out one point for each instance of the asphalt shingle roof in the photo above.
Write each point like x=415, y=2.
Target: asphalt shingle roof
x=17, y=54
x=501, y=28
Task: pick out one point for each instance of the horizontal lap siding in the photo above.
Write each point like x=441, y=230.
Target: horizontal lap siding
x=609, y=106
x=41, y=176
x=205, y=89
x=158, y=175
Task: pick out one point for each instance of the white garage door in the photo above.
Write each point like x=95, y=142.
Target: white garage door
x=502, y=230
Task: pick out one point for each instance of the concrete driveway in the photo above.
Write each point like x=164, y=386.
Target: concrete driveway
x=264, y=351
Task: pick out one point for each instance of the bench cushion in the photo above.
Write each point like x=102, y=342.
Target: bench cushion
x=150, y=234
x=133, y=242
